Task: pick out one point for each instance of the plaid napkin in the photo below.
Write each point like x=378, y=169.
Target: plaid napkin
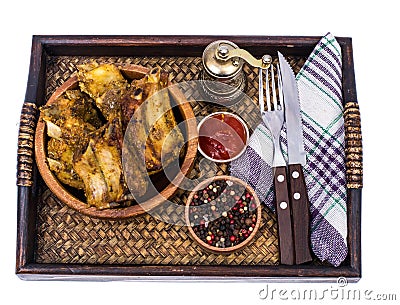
x=320, y=92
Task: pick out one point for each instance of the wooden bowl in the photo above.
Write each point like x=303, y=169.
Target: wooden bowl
x=231, y=249
x=165, y=187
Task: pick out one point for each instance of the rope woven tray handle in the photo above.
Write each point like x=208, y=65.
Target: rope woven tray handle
x=26, y=137
x=353, y=146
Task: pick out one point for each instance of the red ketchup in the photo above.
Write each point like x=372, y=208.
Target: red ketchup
x=222, y=136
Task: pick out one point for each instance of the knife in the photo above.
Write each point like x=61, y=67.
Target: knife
x=296, y=160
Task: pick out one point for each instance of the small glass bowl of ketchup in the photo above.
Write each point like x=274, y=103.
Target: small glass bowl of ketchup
x=223, y=136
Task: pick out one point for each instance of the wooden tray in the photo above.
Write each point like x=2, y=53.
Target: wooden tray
x=56, y=242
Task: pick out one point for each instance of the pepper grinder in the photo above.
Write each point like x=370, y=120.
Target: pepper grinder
x=223, y=79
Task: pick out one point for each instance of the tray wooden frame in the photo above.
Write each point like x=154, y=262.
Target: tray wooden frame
x=28, y=177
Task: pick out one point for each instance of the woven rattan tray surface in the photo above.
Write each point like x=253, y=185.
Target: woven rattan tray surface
x=66, y=236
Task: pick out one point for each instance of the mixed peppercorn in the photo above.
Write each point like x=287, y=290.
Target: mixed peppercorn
x=223, y=214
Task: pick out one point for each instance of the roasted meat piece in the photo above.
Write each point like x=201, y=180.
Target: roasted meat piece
x=164, y=138
x=64, y=140
x=60, y=157
x=135, y=172
x=96, y=79
x=71, y=118
x=95, y=186
x=153, y=128
x=68, y=127
x=87, y=108
x=72, y=104
x=107, y=149
x=105, y=84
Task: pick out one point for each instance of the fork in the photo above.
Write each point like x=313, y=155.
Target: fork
x=274, y=118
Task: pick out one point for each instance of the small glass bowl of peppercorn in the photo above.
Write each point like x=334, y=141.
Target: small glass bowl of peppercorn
x=223, y=214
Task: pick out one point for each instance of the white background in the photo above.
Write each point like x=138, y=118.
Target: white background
x=373, y=25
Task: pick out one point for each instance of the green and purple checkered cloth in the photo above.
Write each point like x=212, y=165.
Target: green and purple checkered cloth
x=320, y=91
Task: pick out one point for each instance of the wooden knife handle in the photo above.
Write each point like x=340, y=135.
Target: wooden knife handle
x=283, y=211
x=301, y=214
